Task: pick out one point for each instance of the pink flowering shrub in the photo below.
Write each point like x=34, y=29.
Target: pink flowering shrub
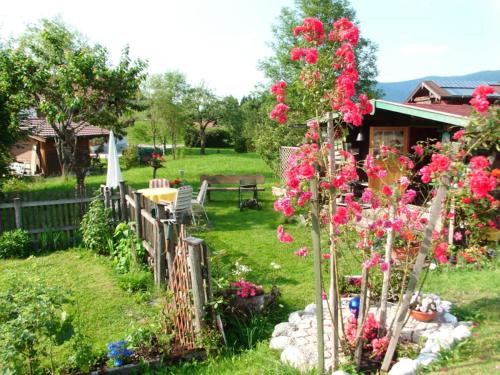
x=246, y=289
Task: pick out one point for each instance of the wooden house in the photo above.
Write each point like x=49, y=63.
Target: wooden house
x=433, y=111
x=36, y=152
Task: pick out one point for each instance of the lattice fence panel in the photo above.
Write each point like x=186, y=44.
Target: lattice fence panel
x=285, y=153
x=181, y=305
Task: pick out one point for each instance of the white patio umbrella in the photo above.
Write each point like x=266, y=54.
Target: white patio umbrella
x=114, y=176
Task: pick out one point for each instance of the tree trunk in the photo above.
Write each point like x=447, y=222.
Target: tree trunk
x=174, y=144
x=202, y=139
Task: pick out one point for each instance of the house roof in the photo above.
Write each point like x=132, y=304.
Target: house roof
x=446, y=113
x=445, y=89
x=40, y=129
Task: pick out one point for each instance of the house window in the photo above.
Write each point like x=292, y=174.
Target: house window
x=391, y=137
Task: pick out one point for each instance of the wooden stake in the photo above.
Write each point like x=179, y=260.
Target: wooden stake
x=387, y=274
x=316, y=241
x=437, y=204
x=334, y=303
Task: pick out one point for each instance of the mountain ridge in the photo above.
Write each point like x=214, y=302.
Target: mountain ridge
x=399, y=91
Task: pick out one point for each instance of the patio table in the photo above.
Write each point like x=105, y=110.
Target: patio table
x=159, y=194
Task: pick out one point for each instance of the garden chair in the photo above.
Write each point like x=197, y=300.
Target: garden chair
x=199, y=201
x=182, y=204
x=159, y=183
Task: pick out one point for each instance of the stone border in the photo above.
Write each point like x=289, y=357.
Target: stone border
x=297, y=338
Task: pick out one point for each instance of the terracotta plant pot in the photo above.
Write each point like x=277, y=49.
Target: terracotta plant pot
x=401, y=252
x=423, y=316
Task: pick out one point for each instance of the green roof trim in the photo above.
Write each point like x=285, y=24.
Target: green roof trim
x=429, y=114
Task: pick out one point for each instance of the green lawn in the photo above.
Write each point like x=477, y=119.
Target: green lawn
x=250, y=237
x=102, y=310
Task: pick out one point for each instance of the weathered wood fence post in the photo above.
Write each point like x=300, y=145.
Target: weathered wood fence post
x=18, y=213
x=160, y=253
x=138, y=218
x=123, y=202
x=195, y=250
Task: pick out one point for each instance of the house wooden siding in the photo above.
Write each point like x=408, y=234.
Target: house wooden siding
x=23, y=151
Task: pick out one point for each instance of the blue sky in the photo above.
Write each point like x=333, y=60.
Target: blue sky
x=221, y=41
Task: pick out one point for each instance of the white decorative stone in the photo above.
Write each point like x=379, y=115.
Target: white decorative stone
x=295, y=317
x=295, y=358
x=461, y=332
x=281, y=329
x=449, y=318
x=405, y=366
x=340, y=372
x=425, y=359
x=279, y=342
x=310, y=309
x=446, y=305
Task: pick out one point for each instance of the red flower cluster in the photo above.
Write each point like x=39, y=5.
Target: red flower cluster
x=278, y=89
x=310, y=55
x=479, y=100
x=344, y=31
x=312, y=30
x=157, y=156
x=284, y=205
x=439, y=163
x=441, y=252
x=481, y=182
x=370, y=331
x=245, y=289
x=279, y=111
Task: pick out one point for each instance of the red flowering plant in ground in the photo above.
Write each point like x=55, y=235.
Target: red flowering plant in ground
x=318, y=175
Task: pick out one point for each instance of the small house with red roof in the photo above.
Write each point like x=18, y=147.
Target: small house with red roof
x=36, y=153
x=433, y=111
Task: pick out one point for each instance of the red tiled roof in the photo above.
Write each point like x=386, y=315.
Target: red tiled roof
x=452, y=109
x=40, y=128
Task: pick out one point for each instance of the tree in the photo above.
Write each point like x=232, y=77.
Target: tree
x=280, y=67
x=232, y=117
x=166, y=97
x=204, y=109
x=75, y=85
x=13, y=100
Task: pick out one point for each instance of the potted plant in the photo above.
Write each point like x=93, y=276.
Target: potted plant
x=425, y=307
x=156, y=162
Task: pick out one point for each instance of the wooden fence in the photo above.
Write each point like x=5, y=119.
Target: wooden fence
x=179, y=262
x=57, y=215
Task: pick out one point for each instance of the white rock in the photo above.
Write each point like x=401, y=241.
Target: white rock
x=425, y=359
x=279, y=342
x=405, y=366
x=461, y=332
x=466, y=324
x=310, y=309
x=281, y=329
x=340, y=372
x=446, y=305
x=431, y=346
x=295, y=358
x=449, y=318
x=295, y=317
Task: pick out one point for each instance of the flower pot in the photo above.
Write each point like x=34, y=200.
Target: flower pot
x=423, y=316
x=400, y=253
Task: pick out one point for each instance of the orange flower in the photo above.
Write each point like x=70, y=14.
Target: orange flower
x=495, y=172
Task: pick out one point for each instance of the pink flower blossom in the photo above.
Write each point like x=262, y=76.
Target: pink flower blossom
x=418, y=150
x=479, y=162
x=367, y=195
x=311, y=56
x=458, y=135
x=387, y=190
x=283, y=236
x=479, y=98
x=372, y=262
x=384, y=266
x=303, y=198
x=279, y=113
x=302, y=252
x=341, y=216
